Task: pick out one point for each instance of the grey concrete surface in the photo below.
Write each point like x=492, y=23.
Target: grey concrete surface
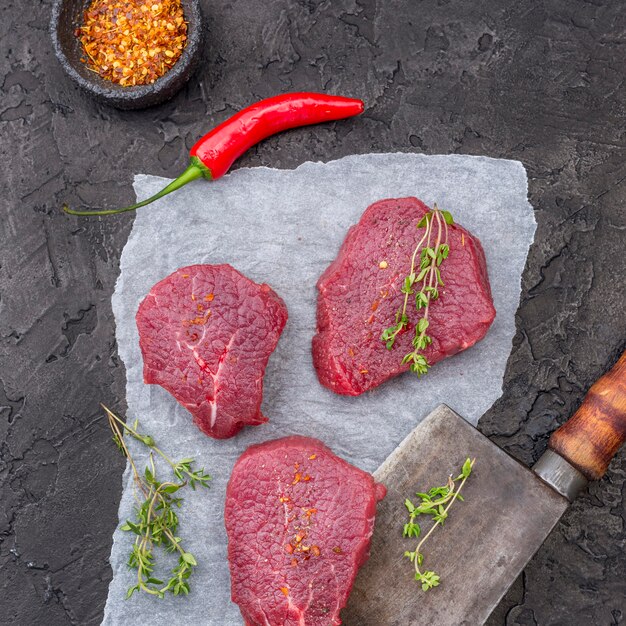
x=542, y=82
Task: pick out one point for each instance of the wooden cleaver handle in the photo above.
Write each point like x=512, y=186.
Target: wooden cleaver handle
x=594, y=434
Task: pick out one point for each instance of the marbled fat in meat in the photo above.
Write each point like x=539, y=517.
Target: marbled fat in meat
x=206, y=333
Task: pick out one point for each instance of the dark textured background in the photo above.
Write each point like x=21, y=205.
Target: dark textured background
x=542, y=82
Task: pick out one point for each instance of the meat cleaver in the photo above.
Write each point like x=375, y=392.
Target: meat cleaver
x=507, y=512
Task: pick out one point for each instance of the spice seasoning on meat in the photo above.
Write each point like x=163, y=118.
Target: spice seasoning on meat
x=131, y=42
x=302, y=519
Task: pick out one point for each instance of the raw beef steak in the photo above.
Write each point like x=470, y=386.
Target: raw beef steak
x=206, y=333
x=359, y=295
x=299, y=521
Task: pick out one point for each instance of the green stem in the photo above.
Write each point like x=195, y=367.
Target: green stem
x=196, y=169
x=454, y=495
x=135, y=435
x=433, y=264
x=412, y=271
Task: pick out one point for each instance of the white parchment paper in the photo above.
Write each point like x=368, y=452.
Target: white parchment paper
x=284, y=227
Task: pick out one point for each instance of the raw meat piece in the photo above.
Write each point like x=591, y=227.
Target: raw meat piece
x=359, y=295
x=299, y=521
x=206, y=333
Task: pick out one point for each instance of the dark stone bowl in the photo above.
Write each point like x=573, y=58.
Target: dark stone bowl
x=67, y=16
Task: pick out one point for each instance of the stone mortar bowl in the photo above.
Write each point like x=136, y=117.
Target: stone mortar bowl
x=67, y=16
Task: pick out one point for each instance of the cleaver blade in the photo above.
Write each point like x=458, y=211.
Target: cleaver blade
x=507, y=512
x=478, y=552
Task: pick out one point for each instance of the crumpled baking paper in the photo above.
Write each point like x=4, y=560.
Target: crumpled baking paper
x=284, y=227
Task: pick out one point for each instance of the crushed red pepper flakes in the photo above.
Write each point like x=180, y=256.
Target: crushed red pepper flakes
x=131, y=42
x=297, y=545
x=209, y=297
x=198, y=321
x=337, y=550
x=285, y=591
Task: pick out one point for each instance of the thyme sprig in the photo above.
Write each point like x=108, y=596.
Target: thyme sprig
x=423, y=282
x=436, y=503
x=156, y=522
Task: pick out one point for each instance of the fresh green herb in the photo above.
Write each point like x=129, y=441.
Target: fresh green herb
x=436, y=503
x=156, y=522
x=423, y=282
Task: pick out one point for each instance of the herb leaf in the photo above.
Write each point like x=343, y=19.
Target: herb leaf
x=436, y=503
x=156, y=522
x=422, y=281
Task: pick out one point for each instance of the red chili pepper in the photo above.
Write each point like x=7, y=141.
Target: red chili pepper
x=213, y=155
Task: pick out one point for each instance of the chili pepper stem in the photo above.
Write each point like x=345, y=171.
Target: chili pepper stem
x=196, y=169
